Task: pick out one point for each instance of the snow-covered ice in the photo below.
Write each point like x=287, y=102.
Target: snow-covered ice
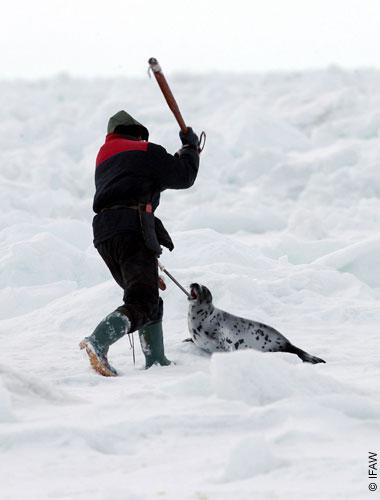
x=282, y=225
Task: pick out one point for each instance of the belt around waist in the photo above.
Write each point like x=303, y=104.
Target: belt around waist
x=147, y=207
x=118, y=207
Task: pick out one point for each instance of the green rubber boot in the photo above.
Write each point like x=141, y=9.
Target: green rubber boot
x=110, y=329
x=152, y=345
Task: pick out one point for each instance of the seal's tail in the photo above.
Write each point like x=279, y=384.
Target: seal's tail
x=306, y=357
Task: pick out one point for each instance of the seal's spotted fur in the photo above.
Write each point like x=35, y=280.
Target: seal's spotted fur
x=214, y=330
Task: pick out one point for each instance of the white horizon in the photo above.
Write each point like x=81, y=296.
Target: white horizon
x=91, y=39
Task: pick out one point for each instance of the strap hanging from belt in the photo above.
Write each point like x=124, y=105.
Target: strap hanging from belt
x=132, y=344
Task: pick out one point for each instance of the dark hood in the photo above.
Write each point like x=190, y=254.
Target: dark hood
x=126, y=120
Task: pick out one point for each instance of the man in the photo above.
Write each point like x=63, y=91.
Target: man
x=129, y=177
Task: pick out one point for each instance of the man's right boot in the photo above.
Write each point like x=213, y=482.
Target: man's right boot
x=152, y=345
x=110, y=329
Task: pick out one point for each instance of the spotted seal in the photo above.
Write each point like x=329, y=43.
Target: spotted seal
x=214, y=330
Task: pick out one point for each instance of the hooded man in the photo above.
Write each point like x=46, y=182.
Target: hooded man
x=129, y=177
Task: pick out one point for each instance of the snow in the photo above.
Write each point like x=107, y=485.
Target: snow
x=282, y=225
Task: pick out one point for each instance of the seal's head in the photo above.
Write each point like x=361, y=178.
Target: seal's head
x=200, y=294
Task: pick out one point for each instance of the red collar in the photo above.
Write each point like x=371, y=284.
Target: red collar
x=113, y=136
x=117, y=143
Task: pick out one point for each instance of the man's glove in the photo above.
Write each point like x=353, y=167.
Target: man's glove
x=189, y=139
x=161, y=283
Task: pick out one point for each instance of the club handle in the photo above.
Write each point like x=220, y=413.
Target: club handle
x=165, y=89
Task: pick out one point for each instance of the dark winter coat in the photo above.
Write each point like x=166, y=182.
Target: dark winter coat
x=129, y=172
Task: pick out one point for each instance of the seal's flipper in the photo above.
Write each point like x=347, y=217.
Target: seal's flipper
x=188, y=340
x=306, y=357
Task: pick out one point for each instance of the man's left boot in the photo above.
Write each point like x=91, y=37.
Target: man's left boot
x=109, y=330
x=152, y=345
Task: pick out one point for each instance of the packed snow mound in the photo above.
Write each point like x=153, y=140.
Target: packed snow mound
x=250, y=457
x=44, y=259
x=360, y=259
x=263, y=378
x=18, y=385
x=6, y=411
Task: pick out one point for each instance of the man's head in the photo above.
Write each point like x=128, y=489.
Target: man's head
x=123, y=123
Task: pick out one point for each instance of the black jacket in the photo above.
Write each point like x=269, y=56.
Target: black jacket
x=129, y=172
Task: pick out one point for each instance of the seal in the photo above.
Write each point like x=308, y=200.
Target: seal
x=214, y=330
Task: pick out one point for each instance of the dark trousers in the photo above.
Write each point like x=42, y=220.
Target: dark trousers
x=135, y=269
